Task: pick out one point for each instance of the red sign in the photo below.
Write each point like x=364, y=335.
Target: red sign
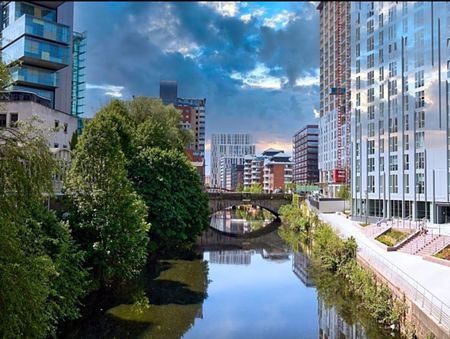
x=339, y=176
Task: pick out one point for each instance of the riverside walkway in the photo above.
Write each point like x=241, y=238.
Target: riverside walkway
x=424, y=282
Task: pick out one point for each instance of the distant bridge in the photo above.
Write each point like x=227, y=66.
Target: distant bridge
x=269, y=201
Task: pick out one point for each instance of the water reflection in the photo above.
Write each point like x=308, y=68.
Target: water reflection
x=241, y=219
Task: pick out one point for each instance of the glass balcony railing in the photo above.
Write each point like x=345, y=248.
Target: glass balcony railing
x=40, y=28
x=36, y=52
x=35, y=76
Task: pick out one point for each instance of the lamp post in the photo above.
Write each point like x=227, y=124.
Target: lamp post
x=366, y=205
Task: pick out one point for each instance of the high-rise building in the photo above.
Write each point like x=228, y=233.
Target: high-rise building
x=233, y=147
x=400, y=119
x=193, y=117
x=38, y=46
x=334, y=127
x=168, y=92
x=306, y=155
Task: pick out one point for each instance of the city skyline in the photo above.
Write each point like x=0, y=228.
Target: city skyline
x=245, y=63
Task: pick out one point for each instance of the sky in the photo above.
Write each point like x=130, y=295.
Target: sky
x=256, y=63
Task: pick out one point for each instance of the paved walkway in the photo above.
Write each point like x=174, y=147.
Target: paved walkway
x=434, y=277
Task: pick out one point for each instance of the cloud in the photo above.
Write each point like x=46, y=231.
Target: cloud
x=110, y=90
x=258, y=78
x=316, y=113
x=280, y=20
x=224, y=8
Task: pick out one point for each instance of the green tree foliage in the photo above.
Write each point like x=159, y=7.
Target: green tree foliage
x=157, y=125
x=73, y=140
x=177, y=206
x=344, y=192
x=40, y=275
x=109, y=216
x=254, y=188
x=239, y=188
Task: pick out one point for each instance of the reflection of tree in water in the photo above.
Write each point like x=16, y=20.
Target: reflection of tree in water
x=340, y=315
x=164, y=303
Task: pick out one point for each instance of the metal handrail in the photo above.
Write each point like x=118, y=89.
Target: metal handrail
x=423, y=298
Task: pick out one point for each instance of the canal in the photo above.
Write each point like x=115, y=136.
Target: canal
x=244, y=281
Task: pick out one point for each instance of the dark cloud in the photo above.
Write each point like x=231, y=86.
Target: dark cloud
x=134, y=45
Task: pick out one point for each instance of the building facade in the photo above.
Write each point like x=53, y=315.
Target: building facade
x=334, y=115
x=193, y=117
x=78, y=75
x=400, y=120
x=168, y=92
x=233, y=147
x=306, y=153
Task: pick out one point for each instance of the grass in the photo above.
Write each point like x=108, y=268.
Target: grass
x=364, y=224
x=392, y=237
x=444, y=254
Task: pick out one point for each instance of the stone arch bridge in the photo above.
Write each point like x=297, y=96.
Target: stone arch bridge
x=269, y=201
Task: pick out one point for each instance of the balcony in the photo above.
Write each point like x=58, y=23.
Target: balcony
x=37, y=53
x=36, y=27
x=24, y=75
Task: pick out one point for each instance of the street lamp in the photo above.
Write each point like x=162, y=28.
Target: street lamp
x=366, y=205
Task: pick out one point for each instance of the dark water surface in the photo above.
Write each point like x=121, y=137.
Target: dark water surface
x=235, y=287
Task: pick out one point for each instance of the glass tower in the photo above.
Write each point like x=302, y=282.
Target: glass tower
x=78, y=76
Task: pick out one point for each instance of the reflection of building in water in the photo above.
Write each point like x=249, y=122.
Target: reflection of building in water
x=236, y=257
x=225, y=221
x=332, y=326
x=300, y=266
x=277, y=255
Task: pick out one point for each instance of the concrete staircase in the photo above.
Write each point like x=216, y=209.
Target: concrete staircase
x=426, y=244
x=437, y=244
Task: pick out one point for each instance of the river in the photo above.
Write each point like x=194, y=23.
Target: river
x=247, y=284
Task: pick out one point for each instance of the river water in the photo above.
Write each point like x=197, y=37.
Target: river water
x=247, y=284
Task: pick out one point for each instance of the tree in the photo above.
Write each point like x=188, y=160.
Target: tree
x=171, y=187
x=239, y=188
x=109, y=216
x=254, y=188
x=344, y=193
x=157, y=125
x=40, y=267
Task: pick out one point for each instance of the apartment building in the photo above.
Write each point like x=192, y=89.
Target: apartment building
x=305, y=154
x=334, y=115
x=400, y=118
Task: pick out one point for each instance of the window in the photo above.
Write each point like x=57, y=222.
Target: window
x=381, y=73
x=406, y=161
x=370, y=44
x=358, y=50
x=392, y=33
x=371, y=184
x=380, y=20
x=358, y=66
x=381, y=145
x=420, y=99
x=392, y=69
x=381, y=164
x=371, y=78
x=406, y=183
x=358, y=115
x=393, y=125
x=394, y=106
x=404, y=8
x=370, y=95
x=418, y=18
x=371, y=165
x=370, y=10
x=391, y=14
x=65, y=127
x=371, y=130
x=357, y=149
x=419, y=62
x=381, y=109
x=392, y=87
x=420, y=139
x=56, y=123
x=393, y=144
x=420, y=182
x=358, y=99
x=405, y=82
x=380, y=38
x=406, y=121
x=420, y=119
x=406, y=101
x=370, y=61
x=393, y=163
x=406, y=142
x=420, y=160
x=3, y=120
x=405, y=25
x=371, y=112
x=394, y=183
x=382, y=91
x=358, y=33
x=55, y=145
x=419, y=76
x=13, y=118
x=381, y=127
x=358, y=82
x=380, y=56
x=371, y=146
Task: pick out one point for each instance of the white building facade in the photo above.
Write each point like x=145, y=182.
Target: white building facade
x=400, y=115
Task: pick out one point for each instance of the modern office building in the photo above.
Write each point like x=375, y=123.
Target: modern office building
x=78, y=75
x=168, y=92
x=334, y=117
x=400, y=120
x=39, y=46
x=306, y=155
x=253, y=170
x=233, y=147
